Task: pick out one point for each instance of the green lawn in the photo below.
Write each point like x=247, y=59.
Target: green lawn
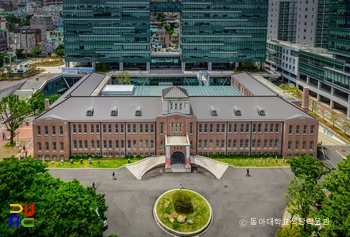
x=200, y=216
x=104, y=163
x=250, y=162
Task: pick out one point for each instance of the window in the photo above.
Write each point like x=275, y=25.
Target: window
x=121, y=128
x=311, y=145
x=116, y=128
x=61, y=146
x=61, y=130
x=222, y=127
x=86, y=144
x=277, y=128
x=253, y=143
x=217, y=145
x=109, y=128
x=200, y=128
x=205, y=143
x=141, y=128
x=222, y=143
x=129, y=128
x=242, y=128
x=254, y=128
x=305, y=129
x=180, y=127
x=266, y=128
x=234, y=143
x=134, y=144
x=134, y=128
x=74, y=128
x=290, y=129
x=246, y=143
x=247, y=128
x=211, y=128
x=122, y=144
x=265, y=143
x=271, y=127
x=104, y=144
x=104, y=128
x=46, y=146
x=304, y=145
x=217, y=128
x=116, y=144
x=172, y=127
x=74, y=144
x=141, y=144
x=152, y=144
x=259, y=143
x=129, y=144
x=191, y=128
x=39, y=146
x=199, y=143
x=276, y=143
x=46, y=129
x=92, y=128
x=146, y=144
x=180, y=106
x=205, y=127
x=97, y=128
x=271, y=144
x=80, y=144
x=97, y=144
x=259, y=127
x=289, y=145
x=312, y=128
x=241, y=144
x=161, y=128
x=53, y=130
x=110, y=144
x=146, y=128
x=234, y=127
x=230, y=128
x=297, y=129
x=296, y=145
x=229, y=143
x=79, y=128
x=152, y=128
x=92, y=143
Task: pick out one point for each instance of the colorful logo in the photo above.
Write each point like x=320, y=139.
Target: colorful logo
x=24, y=221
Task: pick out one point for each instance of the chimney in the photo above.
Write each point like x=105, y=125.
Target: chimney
x=47, y=104
x=305, y=102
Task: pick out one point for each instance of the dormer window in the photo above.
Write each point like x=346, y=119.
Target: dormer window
x=90, y=111
x=213, y=111
x=138, y=111
x=261, y=111
x=114, y=111
x=237, y=111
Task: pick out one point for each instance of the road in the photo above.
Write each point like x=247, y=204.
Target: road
x=334, y=149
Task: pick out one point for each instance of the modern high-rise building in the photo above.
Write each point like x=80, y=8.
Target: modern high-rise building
x=214, y=34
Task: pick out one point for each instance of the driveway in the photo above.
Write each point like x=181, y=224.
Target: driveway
x=233, y=197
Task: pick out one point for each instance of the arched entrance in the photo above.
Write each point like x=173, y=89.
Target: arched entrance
x=178, y=158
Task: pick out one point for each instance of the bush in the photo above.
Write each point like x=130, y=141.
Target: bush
x=182, y=202
x=289, y=232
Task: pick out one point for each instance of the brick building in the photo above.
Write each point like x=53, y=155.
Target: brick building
x=95, y=118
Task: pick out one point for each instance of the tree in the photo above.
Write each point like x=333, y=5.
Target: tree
x=61, y=208
x=334, y=117
x=19, y=53
x=36, y=51
x=36, y=102
x=53, y=98
x=314, y=106
x=60, y=50
x=2, y=70
x=308, y=167
x=182, y=202
x=123, y=77
x=336, y=207
x=323, y=111
x=13, y=110
x=345, y=126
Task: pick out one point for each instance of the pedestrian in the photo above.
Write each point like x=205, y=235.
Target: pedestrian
x=248, y=175
x=24, y=148
x=181, y=186
x=3, y=136
x=113, y=174
x=93, y=184
x=26, y=153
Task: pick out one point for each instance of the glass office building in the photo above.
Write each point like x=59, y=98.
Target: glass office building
x=214, y=34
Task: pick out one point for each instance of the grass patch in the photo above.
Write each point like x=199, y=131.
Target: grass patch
x=253, y=162
x=104, y=163
x=7, y=150
x=48, y=63
x=200, y=216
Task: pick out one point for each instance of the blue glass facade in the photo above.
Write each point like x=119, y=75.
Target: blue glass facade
x=211, y=31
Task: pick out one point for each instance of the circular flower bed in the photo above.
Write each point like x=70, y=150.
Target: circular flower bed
x=190, y=215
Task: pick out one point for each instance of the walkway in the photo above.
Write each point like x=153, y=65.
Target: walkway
x=138, y=169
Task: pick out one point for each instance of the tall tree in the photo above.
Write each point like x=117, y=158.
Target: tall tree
x=123, y=77
x=309, y=167
x=345, y=126
x=314, y=106
x=60, y=208
x=19, y=53
x=334, y=117
x=36, y=102
x=336, y=207
x=36, y=51
x=13, y=110
x=323, y=111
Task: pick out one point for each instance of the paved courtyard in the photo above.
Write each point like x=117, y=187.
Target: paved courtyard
x=233, y=197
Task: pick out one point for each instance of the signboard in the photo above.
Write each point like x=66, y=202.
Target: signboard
x=69, y=70
x=85, y=70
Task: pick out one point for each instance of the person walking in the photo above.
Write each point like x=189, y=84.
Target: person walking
x=93, y=184
x=113, y=176
x=181, y=186
x=248, y=175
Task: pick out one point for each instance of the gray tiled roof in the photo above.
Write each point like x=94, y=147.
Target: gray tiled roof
x=252, y=85
x=174, y=93
x=74, y=108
